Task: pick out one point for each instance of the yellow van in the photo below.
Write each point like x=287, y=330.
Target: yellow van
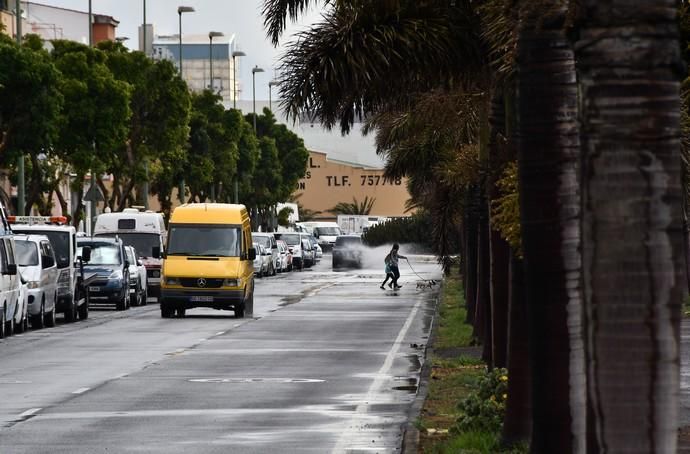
x=208, y=261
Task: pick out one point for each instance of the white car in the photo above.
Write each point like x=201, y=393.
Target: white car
x=137, y=278
x=260, y=263
x=38, y=266
x=284, y=257
x=268, y=241
x=21, y=318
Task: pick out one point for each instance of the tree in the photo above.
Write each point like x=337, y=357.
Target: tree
x=632, y=247
x=363, y=207
x=95, y=118
x=158, y=128
x=30, y=107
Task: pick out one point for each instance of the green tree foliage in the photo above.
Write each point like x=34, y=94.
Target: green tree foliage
x=266, y=181
x=355, y=207
x=158, y=127
x=30, y=106
x=95, y=119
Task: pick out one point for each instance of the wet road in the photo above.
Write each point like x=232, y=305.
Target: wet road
x=329, y=363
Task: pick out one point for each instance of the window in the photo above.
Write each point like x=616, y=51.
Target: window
x=126, y=224
x=27, y=253
x=205, y=240
x=103, y=254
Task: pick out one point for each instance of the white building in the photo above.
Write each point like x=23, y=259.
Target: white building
x=200, y=58
x=52, y=22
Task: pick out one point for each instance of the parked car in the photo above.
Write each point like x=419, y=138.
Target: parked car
x=348, y=251
x=21, y=318
x=318, y=250
x=294, y=243
x=137, y=278
x=308, y=251
x=38, y=266
x=268, y=241
x=107, y=269
x=259, y=260
x=285, y=256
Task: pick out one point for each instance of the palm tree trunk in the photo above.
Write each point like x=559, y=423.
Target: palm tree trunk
x=548, y=163
x=484, y=285
x=629, y=60
x=470, y=259
x=517, y=423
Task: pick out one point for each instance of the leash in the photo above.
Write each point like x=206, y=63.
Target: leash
x=408, y=264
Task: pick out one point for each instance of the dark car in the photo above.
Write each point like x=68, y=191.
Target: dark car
x=107, y=271
x=348, y=251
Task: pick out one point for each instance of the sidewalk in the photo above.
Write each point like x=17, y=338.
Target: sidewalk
x=684, y=423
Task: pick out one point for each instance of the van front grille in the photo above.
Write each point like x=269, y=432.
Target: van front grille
x=201, y=282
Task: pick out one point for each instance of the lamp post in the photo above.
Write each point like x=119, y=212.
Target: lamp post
x=237, y=53
x=180, y=10
x=255, y=70
x=211, y=35
x=271, y=84
x=21, y=187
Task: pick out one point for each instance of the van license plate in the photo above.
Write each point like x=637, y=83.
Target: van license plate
x=94, y=289
x=201, y=299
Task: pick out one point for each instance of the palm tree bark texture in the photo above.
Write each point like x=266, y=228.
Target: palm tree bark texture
x=548, y=162
x=629, y=66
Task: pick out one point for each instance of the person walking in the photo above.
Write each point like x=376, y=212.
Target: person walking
x=393, y=263
x=389, y=272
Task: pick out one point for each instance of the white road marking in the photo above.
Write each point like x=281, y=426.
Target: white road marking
x=80, y=391
x=202, y=340
x=220, y=333
x=30, y=412
x=121, y=375
x=358, y=419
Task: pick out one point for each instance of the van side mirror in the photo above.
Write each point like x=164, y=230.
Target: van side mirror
x=156, y=252
x=252, y=254
x=86, y=254
x=11, y=269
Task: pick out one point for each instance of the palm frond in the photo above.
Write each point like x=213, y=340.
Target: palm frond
x=276, y=13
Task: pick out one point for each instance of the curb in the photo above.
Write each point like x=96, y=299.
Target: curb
x=410, y=437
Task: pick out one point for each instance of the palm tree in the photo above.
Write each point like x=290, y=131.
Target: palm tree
x=632, y=245
x=363, y=207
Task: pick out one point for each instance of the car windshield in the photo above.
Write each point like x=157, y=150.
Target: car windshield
x=348, y=241
x=102, y=254
x=143, y=243
x=27, y=253
x=291, y=238
x=59, y=241
x=262, y=240
x=204, y=240
x=328, y=231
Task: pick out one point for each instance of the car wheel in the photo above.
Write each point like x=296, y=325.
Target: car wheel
x=122, y=304
x=145, y=297
x=38, y=321
x=71, y=311
x=274, y=270
x=50, y=317
x=84, y=310
x=2, y=323
x=19, y=327
x=9, y=328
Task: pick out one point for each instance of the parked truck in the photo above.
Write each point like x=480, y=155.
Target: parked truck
x=357, y=224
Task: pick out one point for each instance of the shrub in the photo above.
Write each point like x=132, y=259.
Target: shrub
x=414, y=229
x=484, y=409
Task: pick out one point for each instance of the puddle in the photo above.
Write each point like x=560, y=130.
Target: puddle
x=410, y=387
x=415, y=363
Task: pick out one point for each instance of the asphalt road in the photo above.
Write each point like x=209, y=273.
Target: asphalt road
x=328, y=364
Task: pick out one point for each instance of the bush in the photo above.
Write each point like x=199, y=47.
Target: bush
x=414, y=229
x=484, y=409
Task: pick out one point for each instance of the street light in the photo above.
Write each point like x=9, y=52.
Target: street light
x=121, y=39
x=271, y=84
x=180, y=10
x=212, y=35
x=255, y=70
x=237, y=53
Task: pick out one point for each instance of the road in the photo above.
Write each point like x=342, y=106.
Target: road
x=328, y=363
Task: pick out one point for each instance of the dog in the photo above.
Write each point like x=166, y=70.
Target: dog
x=426, y=284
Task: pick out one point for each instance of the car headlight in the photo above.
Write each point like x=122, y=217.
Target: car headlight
x=231, y=283
x=33, y=285
x=116, y=275
x=172, y=280
x=64, y=278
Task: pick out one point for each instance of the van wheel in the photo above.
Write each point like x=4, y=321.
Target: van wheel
x=71, y=311
x=181, y=311
x=2, y=323
x=83, y=310
x=239, y=311
x=248, y=307
x=49, y=316
x=38, y=321
x=166, y=311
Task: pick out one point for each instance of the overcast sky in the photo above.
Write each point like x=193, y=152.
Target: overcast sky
x=241, y=17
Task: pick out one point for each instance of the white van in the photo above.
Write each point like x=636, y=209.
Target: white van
x=145, y=231
x=324, y=232
x=71, y=300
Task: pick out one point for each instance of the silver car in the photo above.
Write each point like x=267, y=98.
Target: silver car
x=137, y=278
x=37, y=265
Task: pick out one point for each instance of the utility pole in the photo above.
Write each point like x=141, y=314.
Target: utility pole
x=21, y=186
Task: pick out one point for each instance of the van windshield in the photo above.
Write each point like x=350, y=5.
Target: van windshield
x=263, y=240
x=59, y=241
x=143, y=243
x=328, y=231
x=291, y=238
x=204, y=240
x=27, y=253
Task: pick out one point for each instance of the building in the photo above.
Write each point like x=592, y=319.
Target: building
x=200, y=58
x=52, y=22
